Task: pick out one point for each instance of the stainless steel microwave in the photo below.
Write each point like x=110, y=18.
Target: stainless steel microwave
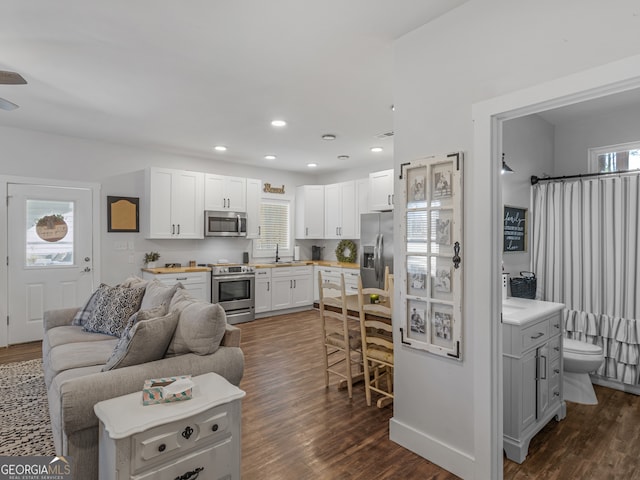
x=225, y=224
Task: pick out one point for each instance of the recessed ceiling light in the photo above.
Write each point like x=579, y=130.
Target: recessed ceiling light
x=269, y=157
x=312, y=165
x=278, y=123
x=328, y=136
x=220, y=148
x=376, y=149
x=343, y=157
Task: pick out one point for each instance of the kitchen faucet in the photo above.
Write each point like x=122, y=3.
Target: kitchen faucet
x=277, y=257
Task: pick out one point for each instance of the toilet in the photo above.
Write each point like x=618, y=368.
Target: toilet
x=580, y=358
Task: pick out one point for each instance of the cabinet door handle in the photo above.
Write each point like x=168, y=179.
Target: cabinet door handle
x=178, y=229
x=192, y=475
x=533, y=337
x=543, y=371
x=186, y=434
x=173, y=229
x=294, y=284
x=214, y=427
x=162, y=447
x=388, y=199
x=556, y=371
x=268, y=286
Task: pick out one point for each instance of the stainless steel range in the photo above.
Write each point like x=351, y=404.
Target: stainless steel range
x=233, y=287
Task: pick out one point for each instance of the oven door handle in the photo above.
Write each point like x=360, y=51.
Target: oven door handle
x=234, y=277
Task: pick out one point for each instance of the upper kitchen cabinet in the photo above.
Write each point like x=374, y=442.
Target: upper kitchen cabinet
x=340, y=210
x=175, y=204
x=254, y=192
x=362, y=199
x=225, y=193
x=381, y=190
x=310, y=211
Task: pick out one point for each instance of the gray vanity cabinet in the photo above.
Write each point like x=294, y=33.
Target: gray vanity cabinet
x=532, y=376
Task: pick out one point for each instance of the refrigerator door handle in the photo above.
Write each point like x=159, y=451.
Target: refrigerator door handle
x=380, y=255
x=375, y=257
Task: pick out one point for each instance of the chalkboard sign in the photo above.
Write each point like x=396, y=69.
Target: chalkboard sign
x=515, y=229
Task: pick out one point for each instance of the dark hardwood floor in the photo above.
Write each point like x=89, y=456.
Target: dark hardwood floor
x=294, y=428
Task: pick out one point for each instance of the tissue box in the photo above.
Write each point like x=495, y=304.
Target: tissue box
x=152, y=391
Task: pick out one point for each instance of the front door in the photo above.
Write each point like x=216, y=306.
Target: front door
x=50, y=262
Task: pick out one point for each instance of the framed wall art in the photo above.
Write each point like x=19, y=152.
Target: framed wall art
x=123, y=214
x=515, y=229
x=431, y=315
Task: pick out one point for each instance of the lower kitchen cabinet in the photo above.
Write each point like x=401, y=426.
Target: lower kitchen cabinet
x=263, y=290
x=332, y=274
x=196, y=283
x=186, y=439
x=291, y=287
x=532, y=376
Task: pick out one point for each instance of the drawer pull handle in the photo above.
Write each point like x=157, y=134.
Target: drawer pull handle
x=192, y=475
x=162, y=447
x=187, y=432
x=556, y=370
x=181, y=278
x=214, y=427
x=533, y=337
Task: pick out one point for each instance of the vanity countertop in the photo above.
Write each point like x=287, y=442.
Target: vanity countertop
x=519, y=311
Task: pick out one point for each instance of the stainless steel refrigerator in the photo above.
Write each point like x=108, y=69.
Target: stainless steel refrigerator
x=376, y=251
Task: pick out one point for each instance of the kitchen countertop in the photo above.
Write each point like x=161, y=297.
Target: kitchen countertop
x=519, y=311
x=176, y=270
x=301, y=263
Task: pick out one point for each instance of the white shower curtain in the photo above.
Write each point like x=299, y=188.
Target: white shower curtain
x=586, y=237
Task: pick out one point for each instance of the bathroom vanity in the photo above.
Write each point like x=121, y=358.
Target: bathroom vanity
x=532, y=376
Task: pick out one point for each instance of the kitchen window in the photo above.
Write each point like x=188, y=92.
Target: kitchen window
x=614, y=158
x=275, y=228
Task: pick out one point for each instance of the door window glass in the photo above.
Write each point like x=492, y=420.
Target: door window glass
x=49, y=238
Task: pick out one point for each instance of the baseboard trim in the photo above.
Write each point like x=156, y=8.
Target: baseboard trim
x=445, y=456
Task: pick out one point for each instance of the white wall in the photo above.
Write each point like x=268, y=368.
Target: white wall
x=481, y=50
x=574, y=138
x=528, y=144
x=120, y=171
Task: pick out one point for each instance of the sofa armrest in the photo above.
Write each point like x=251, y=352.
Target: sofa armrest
x=77, y=396
x=59, y=318
x=231, y=337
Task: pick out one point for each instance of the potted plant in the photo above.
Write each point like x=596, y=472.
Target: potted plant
x=151, y=258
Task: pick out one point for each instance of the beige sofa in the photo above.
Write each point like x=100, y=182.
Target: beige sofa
x=73, y=360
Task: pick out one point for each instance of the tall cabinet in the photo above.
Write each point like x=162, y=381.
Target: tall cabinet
x=310, y=211
x=532, y=359
x=340, y=209
x=174, y=204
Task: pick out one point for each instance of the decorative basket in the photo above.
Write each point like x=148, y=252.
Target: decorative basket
x=524, y=286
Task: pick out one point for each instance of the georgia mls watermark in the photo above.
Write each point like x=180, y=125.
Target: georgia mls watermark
x=35, y=468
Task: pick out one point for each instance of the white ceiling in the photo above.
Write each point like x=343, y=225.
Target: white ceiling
x=185, y=76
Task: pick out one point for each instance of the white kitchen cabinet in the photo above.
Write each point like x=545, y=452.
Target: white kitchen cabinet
x=309, y=211
x=174, y=204
x=532, y=359
x=332, y=274
x=362, y=202
x=263, y=290
x=172, y=440
x=254, y=193
x=340, y=210
x=196, y=283
x=381, y=190
x=225, y=193
x=292, y=287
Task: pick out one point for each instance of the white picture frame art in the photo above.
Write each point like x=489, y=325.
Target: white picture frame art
x=433, y=255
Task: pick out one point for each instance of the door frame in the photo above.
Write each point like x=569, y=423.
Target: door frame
x=5, y=180
x=488, y=117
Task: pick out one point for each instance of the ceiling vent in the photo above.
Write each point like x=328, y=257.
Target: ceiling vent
x=385, y=135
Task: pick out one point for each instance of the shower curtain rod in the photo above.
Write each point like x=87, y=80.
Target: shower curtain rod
x=535, y=179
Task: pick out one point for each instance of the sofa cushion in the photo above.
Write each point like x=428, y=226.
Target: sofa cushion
x=157, y=293
x=200, y=329
x=134, y=282
x=114, y=306
x=82, y=354
x=73, y=334
x=146, y=341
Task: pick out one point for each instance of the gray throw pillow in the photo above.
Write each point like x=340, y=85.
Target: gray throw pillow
x=85, y=312
x=114, y=306
x=200, y=329
x=158, y=293
x=146, y=341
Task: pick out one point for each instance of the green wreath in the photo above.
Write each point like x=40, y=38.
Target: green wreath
x=343, y=246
